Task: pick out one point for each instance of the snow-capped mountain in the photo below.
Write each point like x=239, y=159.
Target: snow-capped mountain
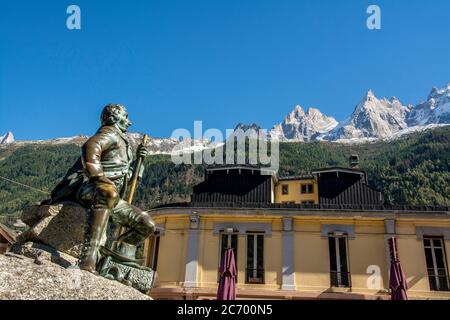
x=156, y=145
x=7, y=138
x=244, y=127
x=372, y=118
x=436, y=110
x=172, y=145
x=249, y=130
x=301, y=126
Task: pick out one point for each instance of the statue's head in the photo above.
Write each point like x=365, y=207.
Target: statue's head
x=115, y=115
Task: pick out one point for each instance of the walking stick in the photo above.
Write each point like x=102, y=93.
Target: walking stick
x=133, y=186
x=137, y=169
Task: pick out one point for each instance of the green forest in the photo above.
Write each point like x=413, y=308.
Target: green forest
x=411, y=170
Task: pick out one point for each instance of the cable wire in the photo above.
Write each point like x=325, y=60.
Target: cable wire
x=24, y=185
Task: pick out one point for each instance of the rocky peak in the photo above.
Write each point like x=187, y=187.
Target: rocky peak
x=301, y=126
x=436, y=110
x=295, y=114
x=7, y=138
x=370, y=96
x=433, y=93
x=373, y=118
x=248, y=130
x=244, y=127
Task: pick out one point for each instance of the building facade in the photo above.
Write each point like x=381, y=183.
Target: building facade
x=297, y=238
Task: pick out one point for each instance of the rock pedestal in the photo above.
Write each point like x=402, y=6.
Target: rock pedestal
x=58, y=233
x=21, y=278
x=62, y=226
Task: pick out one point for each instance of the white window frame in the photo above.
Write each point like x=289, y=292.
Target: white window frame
x=156, y=243
x=229, y=235
x=337, y=236
x=433, y=255
x=307, y=184
x=255, y=252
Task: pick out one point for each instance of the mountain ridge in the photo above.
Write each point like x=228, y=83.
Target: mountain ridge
x=303, y=126
x=372, y=119
x=157, y=146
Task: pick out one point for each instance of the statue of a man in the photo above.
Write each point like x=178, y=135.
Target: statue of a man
x=99, y=180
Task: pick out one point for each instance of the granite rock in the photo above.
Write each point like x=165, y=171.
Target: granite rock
x=40, y=252
x=62, y=226
x=21, y=278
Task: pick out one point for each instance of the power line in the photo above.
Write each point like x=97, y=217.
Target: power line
x=48, y=193
x=24, y=185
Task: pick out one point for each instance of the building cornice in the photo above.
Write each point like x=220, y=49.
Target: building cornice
x=314, y=213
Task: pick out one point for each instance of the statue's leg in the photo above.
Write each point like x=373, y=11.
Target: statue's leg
x=139, y=224
x=106, y=197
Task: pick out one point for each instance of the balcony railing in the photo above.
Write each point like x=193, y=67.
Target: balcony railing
x=340, y=279
x=254, y=276
x=347, y=207
x=439, y=281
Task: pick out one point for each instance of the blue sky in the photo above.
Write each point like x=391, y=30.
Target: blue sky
x=223, y=62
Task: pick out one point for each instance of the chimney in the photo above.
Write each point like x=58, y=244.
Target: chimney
x=353, y=161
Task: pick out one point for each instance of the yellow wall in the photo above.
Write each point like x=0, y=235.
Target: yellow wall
x=295, y=194
x=364, y=252
x=273, y=260
x=311, y=261
x=172, y=252
x=209, y=259
x=412, y=258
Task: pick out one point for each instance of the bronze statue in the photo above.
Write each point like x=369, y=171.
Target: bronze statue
x=99, y=181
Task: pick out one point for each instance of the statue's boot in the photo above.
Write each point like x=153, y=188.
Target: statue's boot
x=97, y=228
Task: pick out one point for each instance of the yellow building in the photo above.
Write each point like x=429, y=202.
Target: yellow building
x=287, y=248
x=303, y=190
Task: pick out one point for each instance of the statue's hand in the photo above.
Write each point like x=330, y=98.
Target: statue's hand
x=143, y=151
x=100, y=179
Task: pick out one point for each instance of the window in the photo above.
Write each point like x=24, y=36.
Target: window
x=339, y=274
x=307, y=188
x=285, y=189
x=255, y=258
x=154, y=252
x=436, y=263
x=308, y=202
x=288, y=202
x=228, y=240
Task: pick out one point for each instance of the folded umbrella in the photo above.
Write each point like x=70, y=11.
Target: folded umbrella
x=227, y=280
x=397, y=282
